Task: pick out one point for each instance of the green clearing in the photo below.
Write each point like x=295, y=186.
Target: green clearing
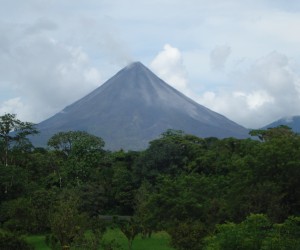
x=158, y=241
x=38, y=241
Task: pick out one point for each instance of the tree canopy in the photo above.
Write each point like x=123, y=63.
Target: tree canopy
x=206, y=193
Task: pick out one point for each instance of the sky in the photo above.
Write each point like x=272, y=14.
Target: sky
x=240, y=58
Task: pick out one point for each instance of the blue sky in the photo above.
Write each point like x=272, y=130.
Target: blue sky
x=237, y=57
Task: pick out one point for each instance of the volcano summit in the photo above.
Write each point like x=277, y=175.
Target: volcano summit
x=134, y=107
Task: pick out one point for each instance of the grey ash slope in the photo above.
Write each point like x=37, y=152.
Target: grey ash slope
x=134, y=107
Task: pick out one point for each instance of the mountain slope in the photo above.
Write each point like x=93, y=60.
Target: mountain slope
x=134, y=107
x=293, y=122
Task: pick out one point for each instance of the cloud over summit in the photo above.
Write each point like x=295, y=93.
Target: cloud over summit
x=168, y=64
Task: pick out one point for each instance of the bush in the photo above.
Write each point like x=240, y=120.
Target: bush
x=18, y=216
x=9, y=241
x=285, y=236
x=67, y=223
x=187, y=235
x=256, y=232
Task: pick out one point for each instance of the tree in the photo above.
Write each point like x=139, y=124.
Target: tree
x=278, y=161
x=123, y=189
x=81, y=153
x=271, y=133
x=94, y=239
x=19, y=216
x=188, y=197
x=67, y=223
x=256, y=232
x=188, y=235
x=248, y=235
x=169, y=154
x=143, y=211
x=14, y=130
x=130, y=228
x=13, y=182
x=284, y=236
x=76, y=142
x=9, y=241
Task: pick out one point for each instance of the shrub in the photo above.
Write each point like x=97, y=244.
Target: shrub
x=187, y=235
x=9, y=241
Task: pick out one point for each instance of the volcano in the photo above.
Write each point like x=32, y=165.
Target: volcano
x=134, y=107
x=292, y=121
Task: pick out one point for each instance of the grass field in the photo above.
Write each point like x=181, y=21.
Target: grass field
x=158, y=241
x=38, y=241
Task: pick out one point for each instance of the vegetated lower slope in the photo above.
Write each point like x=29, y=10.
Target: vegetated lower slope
x=134, y=107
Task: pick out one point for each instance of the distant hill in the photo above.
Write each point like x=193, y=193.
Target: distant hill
x=293, y=122
x=134, y=107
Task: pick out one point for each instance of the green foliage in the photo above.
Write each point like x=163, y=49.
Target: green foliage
x=28, y=214
x=183, y=184
x=271, y=133
x=114, y=239
x=19, y=216
x=40, y=163
x=76, y=143
x=168, y=155
x=80, y=153
x=9, y=241
x=130, y=228
x=158, y=241
x=94, y=199
x=187, y=235
x=123, y=189
x=284, y=236
x=187, y=197
x=67, y=223
x=248, y=235
x=14, y=130
x=143, y=210
x=13, y=182
x=42, y=201
x=256, y=232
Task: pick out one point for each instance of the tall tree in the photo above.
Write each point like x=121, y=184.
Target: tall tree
x=81, y=153
x=76, y=142
x=169, y=154
x=14, y=130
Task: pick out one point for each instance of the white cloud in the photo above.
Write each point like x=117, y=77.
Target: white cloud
x=11, y=106
x=267, y=90
x=46, y=74
x=168, y=65
x=255, y=99
x=48, y=48
x=16, y=106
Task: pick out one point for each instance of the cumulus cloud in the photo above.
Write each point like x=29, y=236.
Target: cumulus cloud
x=219, y=56
x=46, y=75
x=11, y=106
x=265, y=91
x=255, y=99
x=48, y=48
x=168, y=65
x=16, y=106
